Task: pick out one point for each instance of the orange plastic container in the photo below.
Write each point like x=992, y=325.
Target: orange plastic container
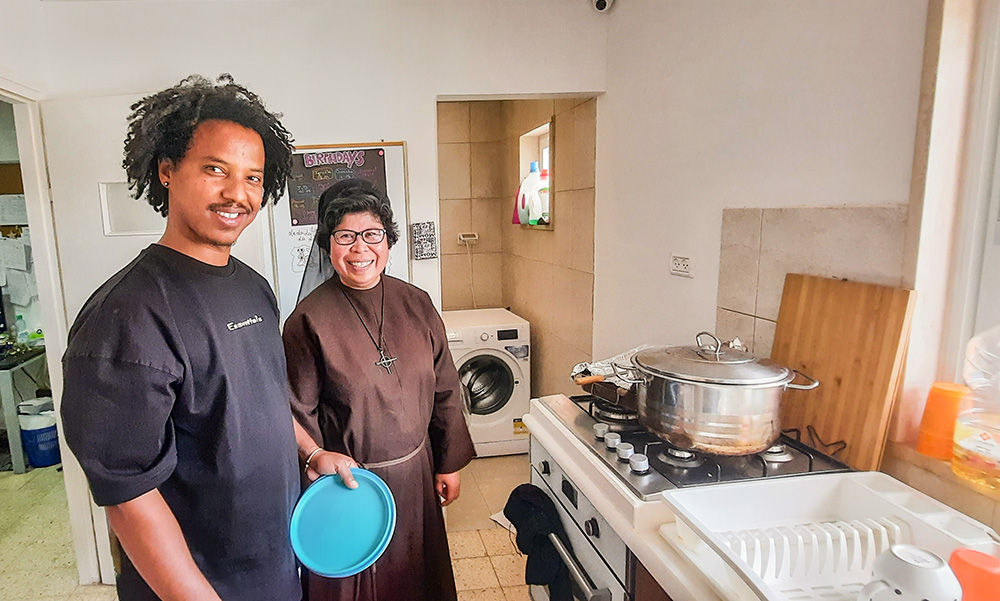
x=978, y=573
x=937, y=428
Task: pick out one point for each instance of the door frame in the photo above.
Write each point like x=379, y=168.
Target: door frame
x=91, y=545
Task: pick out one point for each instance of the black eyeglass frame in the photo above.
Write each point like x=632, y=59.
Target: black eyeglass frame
x=354, y=236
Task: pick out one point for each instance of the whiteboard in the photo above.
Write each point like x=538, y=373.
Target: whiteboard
x=293, y=218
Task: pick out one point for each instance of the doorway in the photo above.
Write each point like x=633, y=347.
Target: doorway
x=45, y=508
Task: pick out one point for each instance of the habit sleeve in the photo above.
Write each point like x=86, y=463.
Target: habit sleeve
x=305, y=373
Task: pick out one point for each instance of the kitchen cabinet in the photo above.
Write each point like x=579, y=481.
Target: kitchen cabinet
x=646, y=588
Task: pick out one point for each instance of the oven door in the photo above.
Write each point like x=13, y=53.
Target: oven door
x=593, y=580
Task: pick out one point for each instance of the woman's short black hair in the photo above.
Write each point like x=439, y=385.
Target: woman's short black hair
x=353, y=196
x=161, y=126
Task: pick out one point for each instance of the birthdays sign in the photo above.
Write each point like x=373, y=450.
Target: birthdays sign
x=315, y=171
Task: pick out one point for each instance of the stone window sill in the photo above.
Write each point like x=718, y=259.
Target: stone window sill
x=908, y=453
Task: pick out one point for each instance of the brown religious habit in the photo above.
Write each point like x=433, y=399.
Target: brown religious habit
x=373, y=378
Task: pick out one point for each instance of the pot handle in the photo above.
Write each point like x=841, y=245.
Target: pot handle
x=812, y=383
x=615, y=368
x=717, y=348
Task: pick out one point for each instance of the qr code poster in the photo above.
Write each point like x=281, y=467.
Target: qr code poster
x=424, y=240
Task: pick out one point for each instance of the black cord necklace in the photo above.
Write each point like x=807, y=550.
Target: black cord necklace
x=383, y=360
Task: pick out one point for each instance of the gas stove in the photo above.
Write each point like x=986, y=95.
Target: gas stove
x=648, y=466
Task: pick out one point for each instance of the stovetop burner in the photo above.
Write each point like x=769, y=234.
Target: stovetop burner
x=618, y=418
x=680, y=458
x=778, y=453
x=668, y=466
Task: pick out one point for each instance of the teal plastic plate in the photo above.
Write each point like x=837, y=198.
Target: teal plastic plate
x=338, y=532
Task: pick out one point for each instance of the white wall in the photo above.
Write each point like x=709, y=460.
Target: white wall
x=339, y=71
x=20, y=29
x=738, y=104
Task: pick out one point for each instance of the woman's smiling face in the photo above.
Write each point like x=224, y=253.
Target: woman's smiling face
x=359, y=264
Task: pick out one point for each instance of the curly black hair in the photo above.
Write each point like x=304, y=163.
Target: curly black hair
x=161, y=126
x=353, y=196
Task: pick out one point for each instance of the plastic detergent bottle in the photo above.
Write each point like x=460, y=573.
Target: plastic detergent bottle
x=977, y=431
x=21, y=330
x=525, y=191
x=538, y=210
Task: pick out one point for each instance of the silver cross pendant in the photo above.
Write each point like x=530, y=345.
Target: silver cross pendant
x=384, y=361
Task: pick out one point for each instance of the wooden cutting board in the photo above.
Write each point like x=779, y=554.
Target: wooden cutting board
x=852, y=338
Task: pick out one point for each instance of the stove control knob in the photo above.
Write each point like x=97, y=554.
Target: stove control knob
x=592, y=528
x=600, y=430
x=543, y=467
x=625, y=450
x=638, y=463
x=611, y=439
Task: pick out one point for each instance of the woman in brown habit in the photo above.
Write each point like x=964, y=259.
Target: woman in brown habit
x=374, y=384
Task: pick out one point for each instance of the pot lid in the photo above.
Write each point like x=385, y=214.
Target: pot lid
x=711, y=362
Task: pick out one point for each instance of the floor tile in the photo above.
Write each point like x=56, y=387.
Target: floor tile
x=36, y=554
x=496, y=489
x=469, y=511
x=488, y=594
x=517, y=593
x=96, y=592
x=514, y=466
x=498, y=541
x=474, y=573
x=40, y=557
x=509, y=569
x=465, y=544
x=498, y=476
x=57, y=582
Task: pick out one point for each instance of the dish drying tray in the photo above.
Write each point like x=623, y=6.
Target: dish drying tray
x=810, y=537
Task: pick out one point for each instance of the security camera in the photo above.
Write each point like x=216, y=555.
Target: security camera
x=602, y=6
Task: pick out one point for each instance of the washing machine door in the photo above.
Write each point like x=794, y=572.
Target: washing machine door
x=489, y=378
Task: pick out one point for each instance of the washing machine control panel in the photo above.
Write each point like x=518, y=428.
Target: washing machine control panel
x=484, y=336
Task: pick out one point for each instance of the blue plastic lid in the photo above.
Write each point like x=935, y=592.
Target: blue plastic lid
x=337, y=531
x=534, y=166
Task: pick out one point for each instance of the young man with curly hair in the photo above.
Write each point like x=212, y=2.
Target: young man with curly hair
x=176, y=398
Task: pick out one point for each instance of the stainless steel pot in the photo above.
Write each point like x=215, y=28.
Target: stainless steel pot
x=710, y=397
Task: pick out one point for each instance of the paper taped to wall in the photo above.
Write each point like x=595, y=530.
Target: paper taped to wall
x=13, y=254
x=13, y=210
x=17, y=288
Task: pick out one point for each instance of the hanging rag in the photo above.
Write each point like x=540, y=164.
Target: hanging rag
x=534, y=515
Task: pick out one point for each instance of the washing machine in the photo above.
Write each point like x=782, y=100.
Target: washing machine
x=492, y=351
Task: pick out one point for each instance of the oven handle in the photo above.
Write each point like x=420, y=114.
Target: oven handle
x=590, y=594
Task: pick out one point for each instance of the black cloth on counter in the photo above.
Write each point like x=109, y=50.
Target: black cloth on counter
x=534, y=515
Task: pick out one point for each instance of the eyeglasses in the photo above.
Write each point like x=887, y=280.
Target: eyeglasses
x=347, y=237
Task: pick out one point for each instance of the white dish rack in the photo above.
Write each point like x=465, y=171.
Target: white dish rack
x=811, y=537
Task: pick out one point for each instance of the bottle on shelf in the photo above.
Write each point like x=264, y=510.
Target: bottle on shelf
x=977, y=430
x=525, y=192
x=538, y=210
x=21, y=330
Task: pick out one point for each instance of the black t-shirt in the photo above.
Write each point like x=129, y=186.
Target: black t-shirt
x=175, y=380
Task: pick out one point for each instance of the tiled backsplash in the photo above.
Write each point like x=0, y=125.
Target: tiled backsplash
x=761, y=246
x=470, y=180
x=545, y=276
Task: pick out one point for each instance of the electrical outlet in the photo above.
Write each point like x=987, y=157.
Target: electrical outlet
x=680, y=266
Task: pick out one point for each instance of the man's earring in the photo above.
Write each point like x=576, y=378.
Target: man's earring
x=166, y=184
